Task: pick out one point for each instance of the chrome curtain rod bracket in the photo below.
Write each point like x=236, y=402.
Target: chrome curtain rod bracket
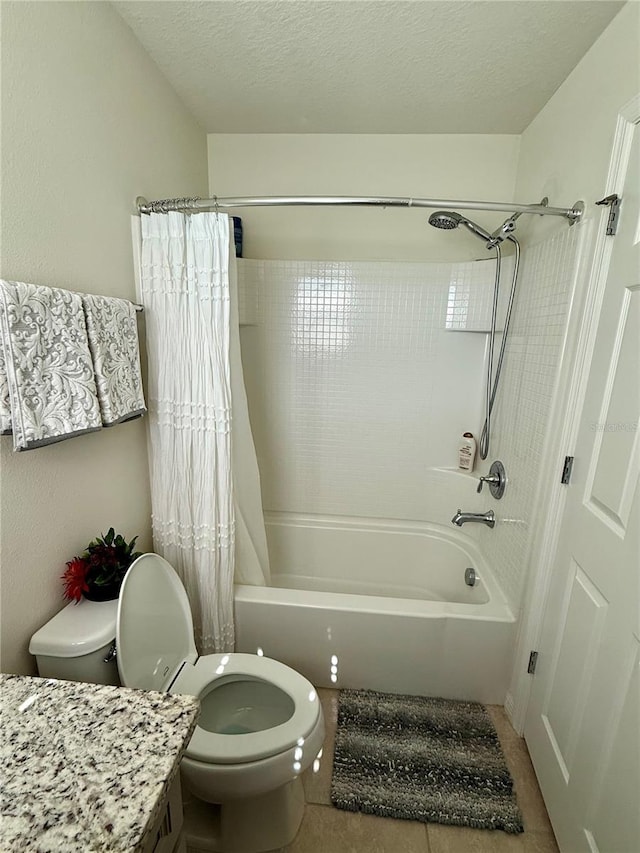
x=573, y=214
x=577, y=212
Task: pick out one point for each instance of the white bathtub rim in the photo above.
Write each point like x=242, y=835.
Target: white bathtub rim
x=341, y=601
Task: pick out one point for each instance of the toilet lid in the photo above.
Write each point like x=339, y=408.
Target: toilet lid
x=154, y=627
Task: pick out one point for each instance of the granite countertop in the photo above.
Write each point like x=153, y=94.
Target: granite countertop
x=86, y=767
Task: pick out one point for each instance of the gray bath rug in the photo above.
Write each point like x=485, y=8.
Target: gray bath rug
x=432, y=760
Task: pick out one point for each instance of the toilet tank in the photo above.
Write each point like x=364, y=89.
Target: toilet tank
x=74, y=643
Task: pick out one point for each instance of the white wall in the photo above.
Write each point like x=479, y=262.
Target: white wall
x=436, y=166
x=565, y=152
x=88, y=124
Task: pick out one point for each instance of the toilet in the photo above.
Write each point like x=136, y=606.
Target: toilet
x=260, y=724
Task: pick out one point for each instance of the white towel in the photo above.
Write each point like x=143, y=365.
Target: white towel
x=48, y=365
x=113, y=341
x=5, y=402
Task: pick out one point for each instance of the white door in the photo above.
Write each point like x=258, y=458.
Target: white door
x=583, y=719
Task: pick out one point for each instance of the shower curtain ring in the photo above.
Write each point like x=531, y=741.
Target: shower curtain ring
x=216, y=206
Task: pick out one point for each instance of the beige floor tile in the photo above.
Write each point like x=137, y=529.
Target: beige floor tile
x=452, y=839
x=329, y=700
x=539, y=842
x=328, y=830
x=506, y=732
x=317, y=786
x=534, y=812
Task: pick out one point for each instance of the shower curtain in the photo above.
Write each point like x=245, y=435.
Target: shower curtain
x=205, y=491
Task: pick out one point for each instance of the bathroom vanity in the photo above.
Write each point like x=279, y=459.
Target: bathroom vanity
x=91, y=767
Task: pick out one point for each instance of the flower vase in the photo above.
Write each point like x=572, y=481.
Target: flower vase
x=103, y=593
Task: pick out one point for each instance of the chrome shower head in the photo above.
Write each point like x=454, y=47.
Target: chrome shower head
x=448, y=219
x=445, y=219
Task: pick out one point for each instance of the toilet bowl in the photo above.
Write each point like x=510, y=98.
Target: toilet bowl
x=260, y=725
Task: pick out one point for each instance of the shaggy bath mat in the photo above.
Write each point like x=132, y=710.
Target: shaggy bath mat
x=432, y=760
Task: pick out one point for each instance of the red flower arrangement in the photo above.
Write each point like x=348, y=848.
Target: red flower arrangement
x=99, y=572
x=75, y=579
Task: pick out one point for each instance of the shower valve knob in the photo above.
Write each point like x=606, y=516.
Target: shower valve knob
x=484, y=480
x=497, y=480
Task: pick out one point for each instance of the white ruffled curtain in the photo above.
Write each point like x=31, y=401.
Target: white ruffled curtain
x=198, y=419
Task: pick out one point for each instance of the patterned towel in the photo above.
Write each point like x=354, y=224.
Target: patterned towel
x=5, y=401
x=113, y=341
x=49, y=372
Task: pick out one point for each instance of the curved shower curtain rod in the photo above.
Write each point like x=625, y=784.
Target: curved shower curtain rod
x=573, y=214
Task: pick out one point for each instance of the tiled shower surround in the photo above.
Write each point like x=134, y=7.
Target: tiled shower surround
x=523, y=404
x=362, y=376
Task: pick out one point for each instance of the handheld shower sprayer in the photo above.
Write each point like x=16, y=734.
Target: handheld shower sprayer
x=447, y=220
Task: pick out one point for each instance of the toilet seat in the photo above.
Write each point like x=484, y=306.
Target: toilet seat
x=212, y=748
x=156, y=651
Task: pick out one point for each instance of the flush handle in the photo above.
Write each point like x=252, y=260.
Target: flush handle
x=112, y=654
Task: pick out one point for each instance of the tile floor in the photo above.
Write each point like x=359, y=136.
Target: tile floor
x=326, y=829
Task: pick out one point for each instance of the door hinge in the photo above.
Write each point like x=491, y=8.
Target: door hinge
x=533, y=660
x=613, y=202
x=566, y=470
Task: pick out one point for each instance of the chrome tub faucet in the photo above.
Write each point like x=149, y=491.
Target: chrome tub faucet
x=488, y=518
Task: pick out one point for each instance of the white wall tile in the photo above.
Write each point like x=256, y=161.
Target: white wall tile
x=356, y=388
x=470, y=298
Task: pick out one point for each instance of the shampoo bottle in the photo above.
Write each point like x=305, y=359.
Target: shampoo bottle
x=467, y=452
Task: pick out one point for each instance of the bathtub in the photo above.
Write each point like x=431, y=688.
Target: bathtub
x=381, y=605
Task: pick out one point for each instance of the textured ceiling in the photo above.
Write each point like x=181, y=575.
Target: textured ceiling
x=366, y=66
